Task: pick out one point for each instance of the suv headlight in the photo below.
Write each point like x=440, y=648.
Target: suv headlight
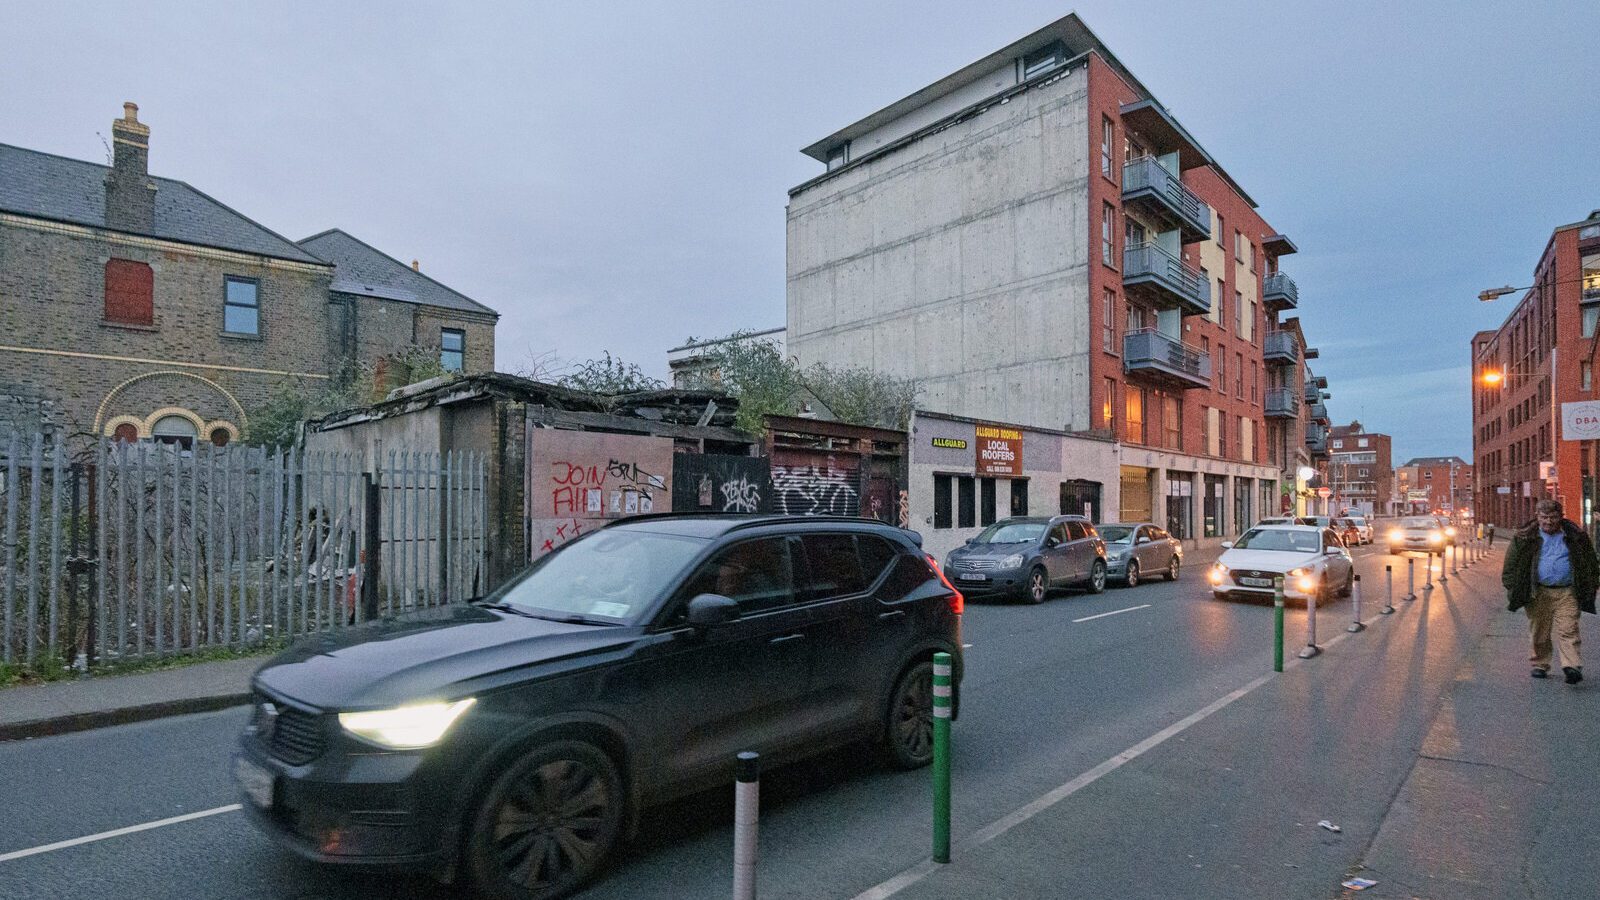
x=1012, y=561
x=405, y=727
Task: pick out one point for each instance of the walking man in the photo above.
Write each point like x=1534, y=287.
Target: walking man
x=1551, y=572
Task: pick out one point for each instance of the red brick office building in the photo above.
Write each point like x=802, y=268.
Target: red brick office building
x=1543, y=356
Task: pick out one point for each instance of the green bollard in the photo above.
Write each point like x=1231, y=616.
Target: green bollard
x=1277, y=624
x=942, y=671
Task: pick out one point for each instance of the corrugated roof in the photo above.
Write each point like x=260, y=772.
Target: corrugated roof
x=54, y=187
x=363, y=269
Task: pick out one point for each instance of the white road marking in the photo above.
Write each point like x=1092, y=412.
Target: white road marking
x=1022, y=814
x=118, y=832
x=1112, y=613
x=966, y=646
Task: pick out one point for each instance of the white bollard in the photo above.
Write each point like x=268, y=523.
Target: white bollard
x=1311, y=649
x=1388, y=591
x=746, y=813
x=1355, y=603
x=1411, y=578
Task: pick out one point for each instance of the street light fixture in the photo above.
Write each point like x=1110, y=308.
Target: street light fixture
x=1497, y=293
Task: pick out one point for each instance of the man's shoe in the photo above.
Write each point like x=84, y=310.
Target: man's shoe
x=1574, y=675
x=1540, y=673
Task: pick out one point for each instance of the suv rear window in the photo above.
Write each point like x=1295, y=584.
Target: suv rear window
x=834, y=568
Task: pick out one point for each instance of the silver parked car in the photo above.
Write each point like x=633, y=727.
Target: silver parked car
x=1028, y=556
x=1135, y=550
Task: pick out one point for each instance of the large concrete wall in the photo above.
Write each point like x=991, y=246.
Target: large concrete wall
x=958, y=260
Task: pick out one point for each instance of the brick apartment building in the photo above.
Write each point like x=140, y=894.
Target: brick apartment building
x=1036, y=240
x=1360, y=469
x=138, y=307
x=1541, y=357
x=1440, y=485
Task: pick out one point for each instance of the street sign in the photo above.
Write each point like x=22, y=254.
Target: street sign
x=1580, y=421
x=1324, y=492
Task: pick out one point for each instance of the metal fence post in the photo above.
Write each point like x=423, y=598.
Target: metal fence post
x=1388, y=591
x=1355, y=594
x=1277, y=624
x=746, y=830
x=942, y=671
x=371, y=558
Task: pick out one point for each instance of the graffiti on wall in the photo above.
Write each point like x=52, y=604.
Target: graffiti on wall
x=718, y=483
x=814, y=490
x=904, y=519
x=579, y=479
x=740, y=496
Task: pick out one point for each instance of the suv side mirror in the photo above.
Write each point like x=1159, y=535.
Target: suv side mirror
x=1145, y=539
x=706, y=610
x=1227, y=545
x=1052, y=541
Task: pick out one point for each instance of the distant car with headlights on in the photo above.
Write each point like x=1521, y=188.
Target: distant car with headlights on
x=1311, y=561
x=1137, y=549
x=1027, y=556
x=1417, y=534
x=1364, y=528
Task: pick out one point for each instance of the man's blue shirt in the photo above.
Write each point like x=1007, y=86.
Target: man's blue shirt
x=1555, y=567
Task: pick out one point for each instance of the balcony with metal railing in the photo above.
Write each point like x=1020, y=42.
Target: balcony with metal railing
x=1319, y=412
x=1280, y=348
x=1165, y=360
x=1165, y=281
x=1283, y=403
x=1148, y=186
x=1316, y=439
x=1279, y=292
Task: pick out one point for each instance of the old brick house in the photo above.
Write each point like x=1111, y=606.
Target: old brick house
x=138, y=307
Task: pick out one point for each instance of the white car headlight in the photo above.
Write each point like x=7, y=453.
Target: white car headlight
x=405, y=727
x=1012, y=561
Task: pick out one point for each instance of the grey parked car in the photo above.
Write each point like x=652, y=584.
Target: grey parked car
x=1026, y=556
x=1137, y=550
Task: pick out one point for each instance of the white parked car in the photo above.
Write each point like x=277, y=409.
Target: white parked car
x=1312, y=562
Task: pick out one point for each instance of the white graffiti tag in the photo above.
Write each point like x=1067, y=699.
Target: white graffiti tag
x=740, y=496
x=814, y=491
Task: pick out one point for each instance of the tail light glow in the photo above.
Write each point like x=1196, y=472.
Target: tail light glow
x=958, y=603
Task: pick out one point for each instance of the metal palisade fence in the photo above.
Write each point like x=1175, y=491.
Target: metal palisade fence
x=126, y=551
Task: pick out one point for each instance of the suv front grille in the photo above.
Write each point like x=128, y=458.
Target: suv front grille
x=1237, y=574
x=292, y=735
x=976, y=564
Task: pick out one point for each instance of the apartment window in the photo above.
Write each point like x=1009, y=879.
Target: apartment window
x=129, y=292
x=1172, y=421
x=1586, y=375
x=1247, y=439
x=1108, y=406
x=941, y=502
x=1108, y=235
x=1254, y=321
x=1591, y=317
x=241, y=310
x=1238, y=375
x=1222, y=433
x=1135, y=317
x=1238, y=315
x=1255, y=382
x=1221, y=232
x=966, y=502
x=1238, y=246
x=1041, y=61
x=1222, y=371
x=838, y=156
x=452, y=349
x=1107, y=141
x=1108, y=323
x=1133, y=414
x=1362, y=442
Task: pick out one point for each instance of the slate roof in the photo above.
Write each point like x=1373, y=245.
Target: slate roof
x=53, y=187
x=362, y=269
x=1430, y=461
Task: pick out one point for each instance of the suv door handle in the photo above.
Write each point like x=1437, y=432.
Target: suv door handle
x=892, y=614
x=786, y=638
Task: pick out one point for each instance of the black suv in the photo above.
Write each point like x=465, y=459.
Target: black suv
x=515, y=739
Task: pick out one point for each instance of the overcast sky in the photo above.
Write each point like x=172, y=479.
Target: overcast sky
x=613, y=176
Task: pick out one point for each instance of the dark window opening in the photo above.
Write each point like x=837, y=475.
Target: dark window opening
x=966, y=487
x=1019, y=497
x=986, y=498
x=941, y=502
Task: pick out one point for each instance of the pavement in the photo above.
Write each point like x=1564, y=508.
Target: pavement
x=59, y=707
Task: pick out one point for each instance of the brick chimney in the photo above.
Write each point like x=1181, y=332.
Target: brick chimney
x=130, y=193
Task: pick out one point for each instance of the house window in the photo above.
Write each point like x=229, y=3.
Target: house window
x=126, y=433
x=241, y=311
x=129, y=292
x=838, y=156
x=1041, y=61
x=1108, y=323
x=220, y=437
x=1107, y=139
x=1108, y=234
x=1108, y=405
x=1133, y=415
x=1591, y=317
x=1361, y=442
x=452, y=349
x=175, y=430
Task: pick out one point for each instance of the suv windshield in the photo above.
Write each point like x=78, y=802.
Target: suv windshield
x=1012, y=533
x=1116, y=534
x=612, y=575
x=1278, y=539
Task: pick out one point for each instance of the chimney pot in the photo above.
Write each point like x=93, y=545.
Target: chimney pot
x=130, y=111
x=416, y=266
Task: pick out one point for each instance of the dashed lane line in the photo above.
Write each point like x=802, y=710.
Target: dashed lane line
x=117, y=832
x=1114, y=612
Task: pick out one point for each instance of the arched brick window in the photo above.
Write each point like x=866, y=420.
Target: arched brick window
x=130, y=292
x=126, y=433
x=220, y=437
